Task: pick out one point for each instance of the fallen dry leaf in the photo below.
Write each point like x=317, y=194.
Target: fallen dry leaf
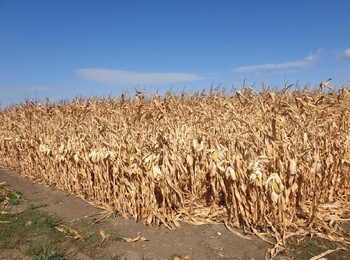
x=136, y=239
x=69, y=232
x=104, y=236
x=318, y=257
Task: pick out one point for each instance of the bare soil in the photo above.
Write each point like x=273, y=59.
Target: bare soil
x=186, y=242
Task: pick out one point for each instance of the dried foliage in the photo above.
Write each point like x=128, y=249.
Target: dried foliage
x=274, y=163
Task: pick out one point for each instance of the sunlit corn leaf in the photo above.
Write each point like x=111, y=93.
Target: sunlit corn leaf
x=292, y=167
x=230, y=172
x=76, y=157
x=274, y=196
x=157, y=173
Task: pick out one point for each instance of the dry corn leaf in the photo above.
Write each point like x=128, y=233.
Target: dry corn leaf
x=274, y=196
x=265, y=236
x=327, y=253
x=4, y=202
x=69, y=232
x=136, y=239
x=236, y=232
x=9, y=213
x=104, y=236
x=292, y=167
x=92, y=215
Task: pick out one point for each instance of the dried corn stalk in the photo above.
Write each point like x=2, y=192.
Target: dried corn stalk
x=269, y=162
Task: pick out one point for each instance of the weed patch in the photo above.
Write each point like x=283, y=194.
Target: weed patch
x=9, y=197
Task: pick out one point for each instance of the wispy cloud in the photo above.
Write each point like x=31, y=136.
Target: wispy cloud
x=344, y=55
x=120, y=77
x=306, y=62
x=313, y=57
x=284, y=65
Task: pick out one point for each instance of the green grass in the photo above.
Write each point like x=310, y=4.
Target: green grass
x=43, y=251
x=309, y=247
x=33, y=231
x=36, y=206
x=54, y=256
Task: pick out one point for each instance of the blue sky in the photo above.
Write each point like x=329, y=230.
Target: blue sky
x=63, y=49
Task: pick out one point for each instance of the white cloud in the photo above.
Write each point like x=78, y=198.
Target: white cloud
x=306, y=62
x=120, y=77
x=345, y=54
x=312, y=57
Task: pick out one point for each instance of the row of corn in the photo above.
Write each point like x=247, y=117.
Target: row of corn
x=274, y=162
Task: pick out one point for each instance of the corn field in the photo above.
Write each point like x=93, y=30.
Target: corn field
x=273, y=163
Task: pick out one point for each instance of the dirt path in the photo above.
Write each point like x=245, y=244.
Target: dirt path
x=188, y=241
